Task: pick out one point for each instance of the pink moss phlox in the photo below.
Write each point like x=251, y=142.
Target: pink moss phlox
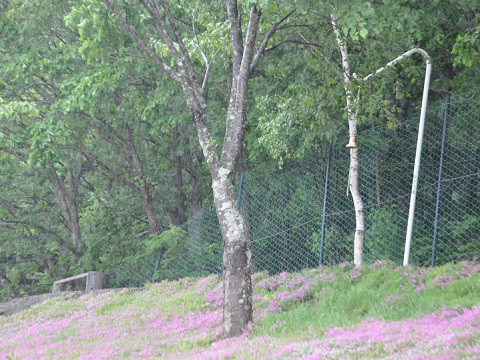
x=273, y=307
x=393, y=298
x=94, y=331
x=436, y=334
x=215, y=296
x=379, y=264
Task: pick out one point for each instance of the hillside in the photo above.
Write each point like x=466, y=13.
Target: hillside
x=116, y=120
x=380, y=311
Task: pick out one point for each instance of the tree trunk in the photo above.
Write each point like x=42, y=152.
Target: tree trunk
x=143, y=186
x=193, y=167
x=237, y=285
x=67, y=194
x=359, y=209
x=147, y=200
x=75, y=226
x=73, y=177
x=178, y=213
x=354, y=153
x=195, y=198
x=237, y=311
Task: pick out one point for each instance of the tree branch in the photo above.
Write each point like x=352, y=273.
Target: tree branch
x=344, y=51
x=181, y=44
x=96, y=158
x=267, y=37
x=126, y=25
x=236, y=34
x=234, y=129
x=204, y=56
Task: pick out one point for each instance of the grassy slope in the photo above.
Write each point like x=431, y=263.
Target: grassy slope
x=381, y=311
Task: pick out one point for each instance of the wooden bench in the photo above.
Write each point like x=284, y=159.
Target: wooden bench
x=92, y=280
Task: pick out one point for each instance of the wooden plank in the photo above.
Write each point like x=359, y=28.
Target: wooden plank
x=72, y=278
x=93, y=280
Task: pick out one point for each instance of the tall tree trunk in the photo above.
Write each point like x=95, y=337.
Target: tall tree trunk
x=143, y=185
x=67, y=194
x=178, y=213
x=354, y=152
x=237, y=284
x=237, y=256
x=359, y=208
x=75, y=224
x=73, y=177
x=237, y=310
x=193, y=166
x=147, y=201
x=195, y=198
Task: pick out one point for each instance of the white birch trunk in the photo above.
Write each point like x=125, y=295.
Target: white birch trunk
x=353, y=180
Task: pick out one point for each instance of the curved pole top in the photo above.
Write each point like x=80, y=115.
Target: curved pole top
x=396, y=61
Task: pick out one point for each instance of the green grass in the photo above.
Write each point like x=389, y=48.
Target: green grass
x=341, y=311
x=387, y=294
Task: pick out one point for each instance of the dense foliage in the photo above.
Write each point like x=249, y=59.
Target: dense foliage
x=98, y=153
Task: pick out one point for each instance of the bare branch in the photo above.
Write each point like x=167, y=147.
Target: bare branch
x=181, y=44
x=129, y=28
x=96, y=158
x=313, y=47
x=161, y=26
x=267, y=37
x=204, y=56
x=102, y=133
x=67, y=7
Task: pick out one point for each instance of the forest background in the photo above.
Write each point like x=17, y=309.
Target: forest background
x=101, y=163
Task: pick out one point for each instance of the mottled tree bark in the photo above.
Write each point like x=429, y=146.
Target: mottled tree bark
x=237, y=310
x=237, y=286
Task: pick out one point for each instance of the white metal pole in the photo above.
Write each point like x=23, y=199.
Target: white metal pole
x=421, y=127
x=416, y=168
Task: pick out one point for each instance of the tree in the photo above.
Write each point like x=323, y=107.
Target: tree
x=60, y=120
x=353, y=178
x=33, y=130
x=41, y=235
x=364, y=36
x=244, y=59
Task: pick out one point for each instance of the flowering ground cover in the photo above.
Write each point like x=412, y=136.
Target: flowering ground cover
x=379, y=311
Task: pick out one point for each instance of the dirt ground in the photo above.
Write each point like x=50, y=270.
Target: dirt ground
x=19, y=304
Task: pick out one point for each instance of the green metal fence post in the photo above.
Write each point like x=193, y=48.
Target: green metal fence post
x=325, y=204
x=440, y=173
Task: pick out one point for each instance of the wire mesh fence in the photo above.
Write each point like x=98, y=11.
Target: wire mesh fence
x=301, y=216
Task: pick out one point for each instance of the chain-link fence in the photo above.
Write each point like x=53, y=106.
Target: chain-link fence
x=301, y=216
